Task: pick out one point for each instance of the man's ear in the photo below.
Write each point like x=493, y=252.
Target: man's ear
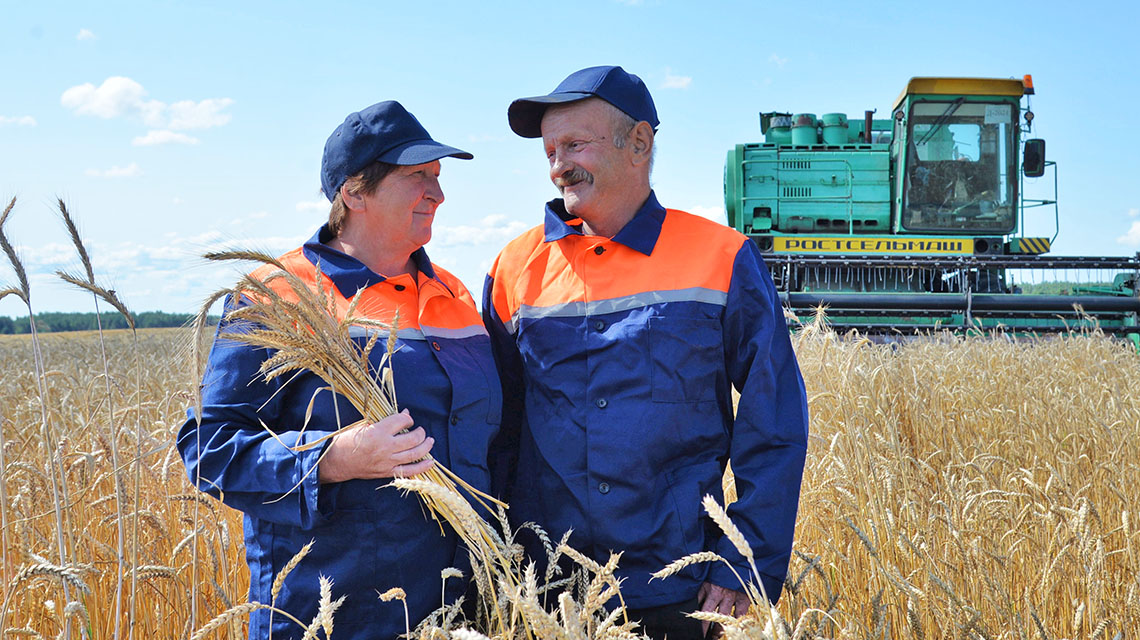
x=641, y=142
x=354, y=201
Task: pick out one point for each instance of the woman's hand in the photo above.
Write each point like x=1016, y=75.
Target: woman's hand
x=377, y=450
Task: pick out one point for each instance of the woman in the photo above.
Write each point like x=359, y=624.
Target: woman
x=381, y=171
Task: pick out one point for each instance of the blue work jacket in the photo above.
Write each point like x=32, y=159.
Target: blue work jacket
x=618, y=358
x=368, y=537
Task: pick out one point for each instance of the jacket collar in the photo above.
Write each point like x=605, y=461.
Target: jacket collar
x=348, y=274
x=639, y=234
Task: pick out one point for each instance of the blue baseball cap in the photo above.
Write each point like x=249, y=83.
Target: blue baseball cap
x=613, y=84
x=384, y=132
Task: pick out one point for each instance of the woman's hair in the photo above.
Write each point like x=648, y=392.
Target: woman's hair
x=364, y=183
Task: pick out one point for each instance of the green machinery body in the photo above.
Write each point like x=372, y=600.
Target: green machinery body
x=916, y=222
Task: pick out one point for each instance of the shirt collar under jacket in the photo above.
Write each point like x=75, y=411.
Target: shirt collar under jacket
x=349, y=274
x=639, y=234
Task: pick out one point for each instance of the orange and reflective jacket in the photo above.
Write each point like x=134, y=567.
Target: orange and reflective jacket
x=368, y=537
x=619, y=356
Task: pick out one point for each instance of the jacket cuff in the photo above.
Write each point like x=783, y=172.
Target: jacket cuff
x=319, y=500
x=722, y=576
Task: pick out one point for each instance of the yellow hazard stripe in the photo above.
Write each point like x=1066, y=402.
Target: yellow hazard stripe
x=1033, y=245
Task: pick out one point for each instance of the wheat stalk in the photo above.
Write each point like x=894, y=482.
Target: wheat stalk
x=279, y=579
x=58, y=480
x=691, y=559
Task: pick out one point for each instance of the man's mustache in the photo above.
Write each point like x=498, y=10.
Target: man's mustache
x=573, y=177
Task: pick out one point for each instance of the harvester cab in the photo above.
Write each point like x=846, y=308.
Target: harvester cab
x=917, y=221
x=958, y=158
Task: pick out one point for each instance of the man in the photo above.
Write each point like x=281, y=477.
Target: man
x=619, y=328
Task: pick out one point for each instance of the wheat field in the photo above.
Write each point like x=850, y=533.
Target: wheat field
x=977, y=488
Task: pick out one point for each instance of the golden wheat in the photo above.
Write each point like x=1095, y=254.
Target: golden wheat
x=981, y=483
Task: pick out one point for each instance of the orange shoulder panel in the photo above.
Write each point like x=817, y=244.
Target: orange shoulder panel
x=691, y=253
x=370, y=306
x=510, y=265
x=444, y=310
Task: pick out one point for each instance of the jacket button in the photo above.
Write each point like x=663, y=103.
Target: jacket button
x=435, y=345
x=604, y=487
x=454, y=420
x=399, y=287
x=601, y=402
x=599, y=250
x=599, y=325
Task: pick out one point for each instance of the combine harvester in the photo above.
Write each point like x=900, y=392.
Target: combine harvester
x=917, y=222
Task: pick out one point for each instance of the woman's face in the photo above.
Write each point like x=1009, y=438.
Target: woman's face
x=404, y=205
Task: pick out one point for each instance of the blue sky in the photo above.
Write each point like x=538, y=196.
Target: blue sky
x=173, y=128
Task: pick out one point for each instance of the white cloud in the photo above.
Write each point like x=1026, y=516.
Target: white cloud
x=673, y=81
x=245, y=220
x=85, y=34
x=177, y=201
x=777, y=60
x=163, y=136
x=117, y=96
x=493, y=229
x=130, y=171
x=53, y=254
x=715, y=213
x=120, y=96
x=20, y=121
x=1132, y=238
x=320, y=205
x=1134, y=212
x=188, y=114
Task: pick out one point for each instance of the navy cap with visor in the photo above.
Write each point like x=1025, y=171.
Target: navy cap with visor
x=384, y=132
x=623, y=90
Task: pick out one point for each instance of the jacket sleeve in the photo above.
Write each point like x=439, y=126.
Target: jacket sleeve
x=503, y=457
x=769, y=434
x=230, y=453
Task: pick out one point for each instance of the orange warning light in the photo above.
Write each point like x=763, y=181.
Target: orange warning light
x=1028, y=82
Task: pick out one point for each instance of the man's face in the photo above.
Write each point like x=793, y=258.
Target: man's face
x=589, y=171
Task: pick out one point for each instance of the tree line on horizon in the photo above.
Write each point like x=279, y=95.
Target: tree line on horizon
x=54, y=321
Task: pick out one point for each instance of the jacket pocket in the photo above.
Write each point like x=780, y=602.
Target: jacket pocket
x=686, y=355
x=688, y=486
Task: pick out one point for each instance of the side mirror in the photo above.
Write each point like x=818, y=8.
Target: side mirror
x=1033, y=162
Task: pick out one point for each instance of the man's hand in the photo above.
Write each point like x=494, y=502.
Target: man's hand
x=377, y=450
x=718, y=599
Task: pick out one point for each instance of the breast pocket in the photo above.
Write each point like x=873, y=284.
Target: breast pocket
x=686, y=355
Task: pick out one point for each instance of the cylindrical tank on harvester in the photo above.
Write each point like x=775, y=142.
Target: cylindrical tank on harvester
x=805, y=129
x=780, y=130
x=834, y=128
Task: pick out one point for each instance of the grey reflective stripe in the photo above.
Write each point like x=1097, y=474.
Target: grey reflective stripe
x=416, y=334
x=455, y=334
x=624, y=303
x=403, y=334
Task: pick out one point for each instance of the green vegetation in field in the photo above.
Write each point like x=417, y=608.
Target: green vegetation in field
x=53, y=321
x=1059, y=288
